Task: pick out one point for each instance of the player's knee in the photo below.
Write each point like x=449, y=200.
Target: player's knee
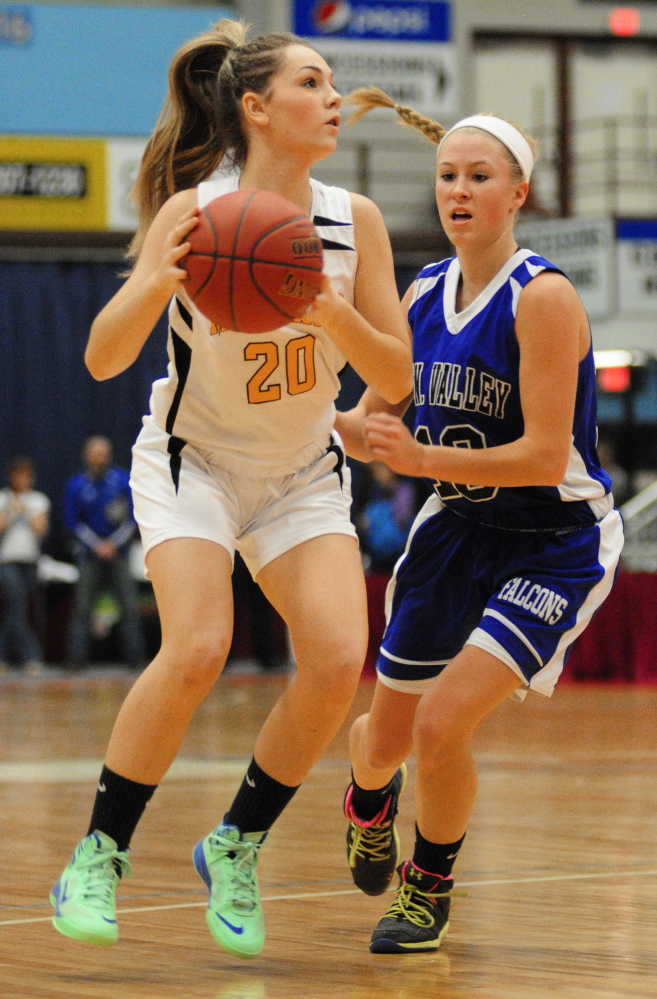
x=437, y=733
x=344, y=679
x=338, y=676
x=203, y=659
x=381, y=753
x=339, y=658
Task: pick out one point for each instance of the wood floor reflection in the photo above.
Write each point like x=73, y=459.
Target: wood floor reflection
x=560, y=863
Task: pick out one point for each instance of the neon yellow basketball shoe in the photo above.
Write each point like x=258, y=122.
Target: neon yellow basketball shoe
x=373, y=847
x=83, y=898
x=226, y=861
x=418, y=919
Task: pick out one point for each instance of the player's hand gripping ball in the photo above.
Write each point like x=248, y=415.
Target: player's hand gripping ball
x=255, y=262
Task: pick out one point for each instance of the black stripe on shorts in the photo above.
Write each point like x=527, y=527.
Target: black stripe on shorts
x=334, y=448
x=174, y=447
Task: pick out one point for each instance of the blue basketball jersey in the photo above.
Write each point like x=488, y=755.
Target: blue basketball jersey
x=467, y=394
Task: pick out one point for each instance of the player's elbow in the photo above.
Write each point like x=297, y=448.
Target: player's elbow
x=102, y=363
x=95, y=366
x=399, y=392
x=102, y=368
x=552, y=467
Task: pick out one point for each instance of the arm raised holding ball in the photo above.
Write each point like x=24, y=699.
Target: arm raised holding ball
x=372, y=334
x=121, y=329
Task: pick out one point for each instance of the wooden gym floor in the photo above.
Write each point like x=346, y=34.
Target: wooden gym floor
x=560, y=863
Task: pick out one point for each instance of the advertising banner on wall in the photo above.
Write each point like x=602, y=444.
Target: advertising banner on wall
x=68, y=184
x=52, y=184
x=637, y=266
x=123, y=159
x=584, y=249
x=402, y=46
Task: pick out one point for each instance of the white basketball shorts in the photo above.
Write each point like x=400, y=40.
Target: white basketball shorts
x=178, y=494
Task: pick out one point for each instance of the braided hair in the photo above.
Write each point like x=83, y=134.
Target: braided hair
x=368, y=98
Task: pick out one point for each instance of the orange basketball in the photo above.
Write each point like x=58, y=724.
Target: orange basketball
x=255, y=262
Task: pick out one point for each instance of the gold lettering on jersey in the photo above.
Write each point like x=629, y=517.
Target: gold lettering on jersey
x=470, y=400
x=476, y=391
x=455, y=398
x=256, y=390
x=307, y=322
x=485, y=401
x=502, y=390
x=303, y=321
x=418, y=367
x=300, y=364
x=214, y=329
x=300, y=374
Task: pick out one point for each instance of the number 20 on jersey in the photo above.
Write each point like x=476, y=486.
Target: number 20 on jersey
x=299, y=369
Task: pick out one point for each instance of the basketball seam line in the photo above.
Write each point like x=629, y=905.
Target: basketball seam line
x=290, y=316
x=250, y=260
x=216, y=243
x=287, y=315
x=232, y=263
x=280, y=225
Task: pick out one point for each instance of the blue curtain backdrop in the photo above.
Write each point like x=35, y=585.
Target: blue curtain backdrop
x=49, y=403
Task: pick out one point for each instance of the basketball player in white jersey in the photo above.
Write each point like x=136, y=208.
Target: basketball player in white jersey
x=238, y=452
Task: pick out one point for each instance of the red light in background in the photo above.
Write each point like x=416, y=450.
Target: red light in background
x=614, y=379
x=624, y=21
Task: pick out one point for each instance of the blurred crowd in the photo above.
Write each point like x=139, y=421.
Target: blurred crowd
x=97, y=513
x=624, y=483
x=107, y=596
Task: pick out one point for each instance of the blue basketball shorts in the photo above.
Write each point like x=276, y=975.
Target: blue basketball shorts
x=524, y=597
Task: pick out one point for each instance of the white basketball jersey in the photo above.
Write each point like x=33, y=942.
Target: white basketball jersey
x=258, y=404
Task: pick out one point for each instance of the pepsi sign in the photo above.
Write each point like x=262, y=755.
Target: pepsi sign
x=394, y=20
x=402, y=46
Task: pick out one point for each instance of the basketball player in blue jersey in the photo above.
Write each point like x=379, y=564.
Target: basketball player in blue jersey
x=518, y=545
x=238, y=452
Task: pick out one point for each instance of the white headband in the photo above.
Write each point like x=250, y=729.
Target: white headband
x=508, y=135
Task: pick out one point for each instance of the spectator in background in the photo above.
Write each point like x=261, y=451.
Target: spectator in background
x=642, y=478
x=254, y=615
x=621, y=486
x=24, y=516
x=98, y=512
x=386, y=518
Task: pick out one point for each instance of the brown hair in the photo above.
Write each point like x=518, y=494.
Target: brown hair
x=368, y=98
x=19, y=463
x=201, y=125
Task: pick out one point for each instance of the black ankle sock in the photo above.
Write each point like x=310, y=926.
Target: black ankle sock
x=259, y=801
x=367, y=804
x=435, y=858
x=119, y=805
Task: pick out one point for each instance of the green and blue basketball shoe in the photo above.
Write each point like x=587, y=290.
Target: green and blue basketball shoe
x=83, y=898
x=373, y=846
x=418, y=919
x=226, y=861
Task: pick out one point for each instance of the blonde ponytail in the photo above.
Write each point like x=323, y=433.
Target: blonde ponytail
x=368, y=98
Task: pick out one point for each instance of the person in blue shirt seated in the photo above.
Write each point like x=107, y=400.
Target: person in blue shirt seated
x=387, y=517
x=98, y=512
